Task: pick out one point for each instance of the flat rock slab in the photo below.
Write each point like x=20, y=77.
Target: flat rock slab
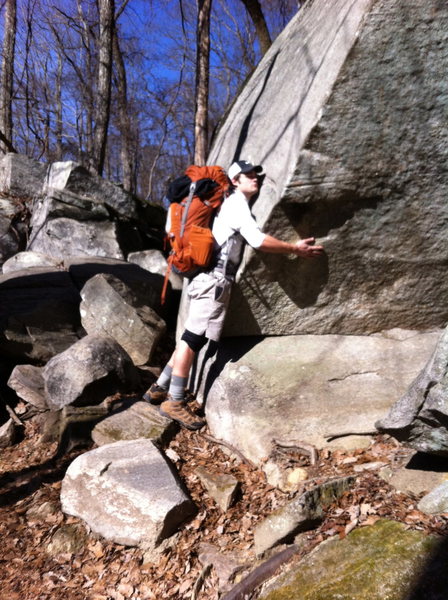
x=127, y=493
x=421, y=474
x=302, y=513
x=381, y=562
x=108, y=308
x=139, y=420
x=321, y=384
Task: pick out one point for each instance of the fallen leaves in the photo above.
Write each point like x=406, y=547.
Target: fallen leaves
x=31, y=513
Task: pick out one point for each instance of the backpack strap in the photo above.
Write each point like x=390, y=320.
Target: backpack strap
x=187, y=206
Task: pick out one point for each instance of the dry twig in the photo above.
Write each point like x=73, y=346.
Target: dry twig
x=333, y=436
x=297, y=445
x=260, y=574
x=245, y=460
x=13, y=415
x=200, y=580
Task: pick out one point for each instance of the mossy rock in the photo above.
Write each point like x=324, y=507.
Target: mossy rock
x=381, y=562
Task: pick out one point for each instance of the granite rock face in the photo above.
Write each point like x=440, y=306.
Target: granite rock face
x=347, y=114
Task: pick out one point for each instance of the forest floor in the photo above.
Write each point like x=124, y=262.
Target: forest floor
x=30, y=477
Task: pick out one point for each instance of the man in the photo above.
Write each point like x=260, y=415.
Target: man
x=209, y=292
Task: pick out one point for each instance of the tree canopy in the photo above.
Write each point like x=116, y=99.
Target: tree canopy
x=112, y=83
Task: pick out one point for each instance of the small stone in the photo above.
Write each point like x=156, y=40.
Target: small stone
x=68, y=539
x=295, y=476
x=222, y=488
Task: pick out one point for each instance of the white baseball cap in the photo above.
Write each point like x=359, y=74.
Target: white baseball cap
x=242, y=166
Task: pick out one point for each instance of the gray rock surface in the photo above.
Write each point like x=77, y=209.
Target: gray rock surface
x=12, y=229
x=436, y=501
x=68, y=237
x=139, y=420
x=28, y=383
x=39, y=306
x=419, y=417
x=146, y=287
x=324, y=384
x=68, y=539
x=302, y=513
x=419, y=475
x=154, y=262
x=21, y=175
x=71, y=177
x=86, y=373
x=29, y=259
x=107, y=308
x=39, y=314
x=127, y=493
x=8, y=433
x=355, y=150
x=221, y=487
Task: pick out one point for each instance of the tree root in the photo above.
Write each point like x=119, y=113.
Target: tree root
x=261, y=574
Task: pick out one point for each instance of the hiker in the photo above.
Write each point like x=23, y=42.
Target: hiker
x=209, y=291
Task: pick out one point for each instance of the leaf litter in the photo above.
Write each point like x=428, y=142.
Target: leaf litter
x=30, y=478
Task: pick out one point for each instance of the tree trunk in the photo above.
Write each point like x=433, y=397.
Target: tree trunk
x=123, y=116
x=9, y=41
x=202, y=82
x=58, y=117
x=256, y=14
x=102, y=112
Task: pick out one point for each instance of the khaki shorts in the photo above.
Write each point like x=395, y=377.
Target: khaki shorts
x=209, y=296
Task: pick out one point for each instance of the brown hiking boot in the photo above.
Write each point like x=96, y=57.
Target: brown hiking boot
x=155, y=394
x=178, y=411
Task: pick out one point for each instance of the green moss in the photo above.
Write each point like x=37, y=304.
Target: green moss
x=374, y=563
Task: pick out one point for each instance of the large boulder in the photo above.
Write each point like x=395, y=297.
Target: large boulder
x=154, y=261
x=39, y=313
x=127, y=493
x=108, y=308
x=419, y=418
x=323, y=384
x=39, y=306
x=87, y=372
x=73, y=178
x=346, y=112
x=68, y=237
x=82, y=214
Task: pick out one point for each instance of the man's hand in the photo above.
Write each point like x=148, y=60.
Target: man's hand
x=306, y=248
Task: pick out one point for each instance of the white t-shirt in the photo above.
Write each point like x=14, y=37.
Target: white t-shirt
x=235, y=216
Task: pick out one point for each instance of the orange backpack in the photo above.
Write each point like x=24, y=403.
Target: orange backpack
x=194, y=199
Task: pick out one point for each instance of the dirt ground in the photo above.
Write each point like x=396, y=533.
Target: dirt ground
x=30, y=479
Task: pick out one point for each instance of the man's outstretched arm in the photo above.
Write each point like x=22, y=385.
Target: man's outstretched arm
x=305, y=248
